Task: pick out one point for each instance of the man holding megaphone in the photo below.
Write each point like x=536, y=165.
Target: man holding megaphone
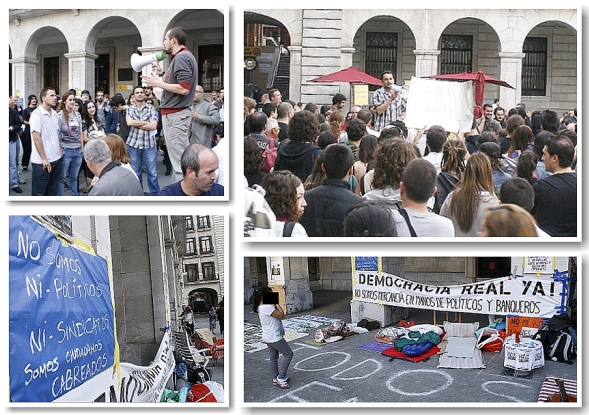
x=388, y=101
x=178, y=84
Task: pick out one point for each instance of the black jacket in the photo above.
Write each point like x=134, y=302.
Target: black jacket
x=298, y=158
x=15, y=123
x=326, y=208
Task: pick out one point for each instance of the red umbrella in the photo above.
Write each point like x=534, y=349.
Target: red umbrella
x=480, y=79
x=351, y=75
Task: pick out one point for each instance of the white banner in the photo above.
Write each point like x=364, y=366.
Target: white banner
x=446, y=103
x=146, y=384
x=135, y=383
x=531, y=296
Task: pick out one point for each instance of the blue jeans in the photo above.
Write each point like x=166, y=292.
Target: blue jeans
x=45, y=183
x=147, y=156
x=70, y=167
x=13, y=158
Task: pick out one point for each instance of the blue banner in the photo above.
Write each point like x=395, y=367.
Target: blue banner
x=366, y=263
x=61, y=320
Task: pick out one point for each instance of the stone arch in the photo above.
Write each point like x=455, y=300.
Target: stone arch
x=122, y=26
x=202, y=299
x=289, y=20
x=355, y=19
x=41, y=36
x=406, y=41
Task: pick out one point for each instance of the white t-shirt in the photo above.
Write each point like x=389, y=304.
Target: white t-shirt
x=272, y=330
x=46, y=123
x=425, y=224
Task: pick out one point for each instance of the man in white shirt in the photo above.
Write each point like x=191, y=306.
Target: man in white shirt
x=46, y=149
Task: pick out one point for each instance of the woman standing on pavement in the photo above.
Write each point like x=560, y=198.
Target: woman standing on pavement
x=26, y=139
x=212, y=319
x=92, y=129
x=271, y=316
x=70, y=138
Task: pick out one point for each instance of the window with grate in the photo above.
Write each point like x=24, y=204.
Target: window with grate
x=381, y=54
x=208, y=271
x=204, y=222
x=190, y=246
x=189, y=223
x=210, y=71
x=205, y=243
x=534, y=66
x=192, y=271
x=456, y=54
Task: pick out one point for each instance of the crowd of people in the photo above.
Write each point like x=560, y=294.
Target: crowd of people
x=113, y=140
x=323, y=174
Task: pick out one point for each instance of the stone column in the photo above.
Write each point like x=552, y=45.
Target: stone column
x=24, y=75
x=511, y=72
x=347, y=58
x=426, y=62
x=384, y=314
x=146, y=51
x=81, y=70
x=294, y=89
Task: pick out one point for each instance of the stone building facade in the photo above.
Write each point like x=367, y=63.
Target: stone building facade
x=92, y=48
x=203, y=261
x=419, y=41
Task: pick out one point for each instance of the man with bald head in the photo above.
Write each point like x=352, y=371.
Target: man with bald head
x=199, y=165
x=205, y=117
x=285, y=111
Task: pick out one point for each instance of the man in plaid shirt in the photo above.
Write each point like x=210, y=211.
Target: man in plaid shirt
x=141, y=144
x=388, y=103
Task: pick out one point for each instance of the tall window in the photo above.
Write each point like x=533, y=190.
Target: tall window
x=192, y=271
x=381, y=53
x=204, y=222
x=190, y=246
x=210, y=71
x=456, y=54
x=51, y=73
x=534, y=66
x=208, y=271
x=189, y=223
x=205, y=243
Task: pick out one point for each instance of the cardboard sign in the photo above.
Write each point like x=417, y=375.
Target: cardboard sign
x=515, y=323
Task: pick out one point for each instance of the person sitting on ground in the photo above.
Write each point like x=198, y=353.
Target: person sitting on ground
x=518, y=191
x=328, y=203
x=199, y=164
x=298, y=155
x=369, y=219
x=508, y=221
x=114, y=180
x=417, y=186
x=286, y=197
x=467, y=203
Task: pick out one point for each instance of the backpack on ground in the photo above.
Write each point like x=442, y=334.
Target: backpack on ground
x=563, y=349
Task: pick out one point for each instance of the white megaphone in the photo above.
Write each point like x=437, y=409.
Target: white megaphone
x=138, y=62
x=400, y=90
